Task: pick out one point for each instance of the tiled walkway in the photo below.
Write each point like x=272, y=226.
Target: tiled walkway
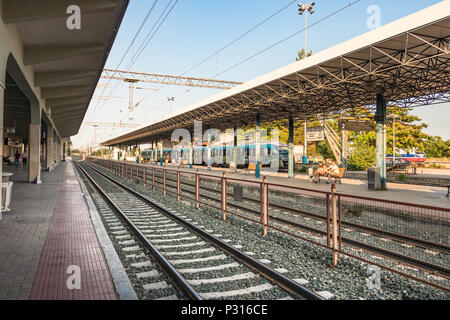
x=48, y=232
x=72, y=245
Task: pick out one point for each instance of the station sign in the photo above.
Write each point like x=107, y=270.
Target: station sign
x=315, y=134
x=356, y=125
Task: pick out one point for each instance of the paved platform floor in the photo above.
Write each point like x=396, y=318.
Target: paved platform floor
x=47, y=230
x=425, y=195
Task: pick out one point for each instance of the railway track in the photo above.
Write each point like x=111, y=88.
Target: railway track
x=198, y=264
x=424, y=244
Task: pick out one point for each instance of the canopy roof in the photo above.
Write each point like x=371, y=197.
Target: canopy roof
x=67, y=63
x=406, y=60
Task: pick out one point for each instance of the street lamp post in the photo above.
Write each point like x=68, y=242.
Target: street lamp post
x=303, y=8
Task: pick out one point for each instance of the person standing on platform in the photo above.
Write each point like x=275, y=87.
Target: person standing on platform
x=17, y=161
x=24, y=159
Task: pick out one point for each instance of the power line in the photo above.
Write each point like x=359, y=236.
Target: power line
x=240, y=37
x=147, y=40
x=126, y=51
x=137, y=55
x=287, y=38
x=224, y=47
x=282, y=40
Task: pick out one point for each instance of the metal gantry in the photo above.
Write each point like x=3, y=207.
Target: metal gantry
x=110, y=124
x=131, y=76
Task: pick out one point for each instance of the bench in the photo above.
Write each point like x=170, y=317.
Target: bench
x=337, y=178
x=340, y=176
x=252, y=167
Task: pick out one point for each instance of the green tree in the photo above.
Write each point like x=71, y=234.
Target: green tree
x=301, y=54
x=435, y=147
x=363, y=154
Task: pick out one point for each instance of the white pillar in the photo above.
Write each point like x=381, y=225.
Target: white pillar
x=2, y=89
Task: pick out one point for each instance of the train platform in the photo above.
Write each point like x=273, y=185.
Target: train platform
x=49, y=247
x=416, y=194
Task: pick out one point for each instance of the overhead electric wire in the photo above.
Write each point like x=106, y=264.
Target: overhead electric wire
x=281, y=41
x=287, y=38
x=138, y=54
x=126, y=51
x=139, y=51
x=223, y=48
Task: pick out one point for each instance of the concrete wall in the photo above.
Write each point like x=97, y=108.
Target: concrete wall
x=11, y=58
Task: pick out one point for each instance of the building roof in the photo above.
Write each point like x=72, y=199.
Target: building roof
x=67, y=63
x=406, y=60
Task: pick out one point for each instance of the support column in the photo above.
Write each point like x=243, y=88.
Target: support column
x=305, y=144
x=54, y=147
x=2, y=89
x=191, y=152
x=344, y=147
x=34, y=143
x=208, y=150
x=49, y=153
x=380, y=117
x=161, y=159
x=291, y=148
x=235, y=148
x=138, y=153
x=258, y=145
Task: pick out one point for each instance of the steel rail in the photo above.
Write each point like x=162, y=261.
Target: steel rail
x=386, y=234
x=383, y=233
x=268, y=273
x=354, y=243
x=176, y=277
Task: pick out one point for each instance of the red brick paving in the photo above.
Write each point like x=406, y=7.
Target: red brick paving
x=71, y=240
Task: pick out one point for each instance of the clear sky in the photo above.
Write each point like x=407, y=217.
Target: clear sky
x=196, y=29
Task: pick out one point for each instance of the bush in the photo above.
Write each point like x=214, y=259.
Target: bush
x=362, y=157
x=303, y=169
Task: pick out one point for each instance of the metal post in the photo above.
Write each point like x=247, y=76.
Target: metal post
x=197, y=189
x=164, y=179
x=208, y=151
x=380, y=117
x=235, y=148
x=155, y=152
x=344, y=144
x=258, y=145
x=144, y=169
x=291, y=148
x=178, y=185
x=305, y=146
x=224, y=197
x=393, y=156
x=339, y=217
x=137, y=174
x=264, y=208
x=191, y=153
x=162, y=153
x=335, y=226
x=328, y=219
x=153, y=179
